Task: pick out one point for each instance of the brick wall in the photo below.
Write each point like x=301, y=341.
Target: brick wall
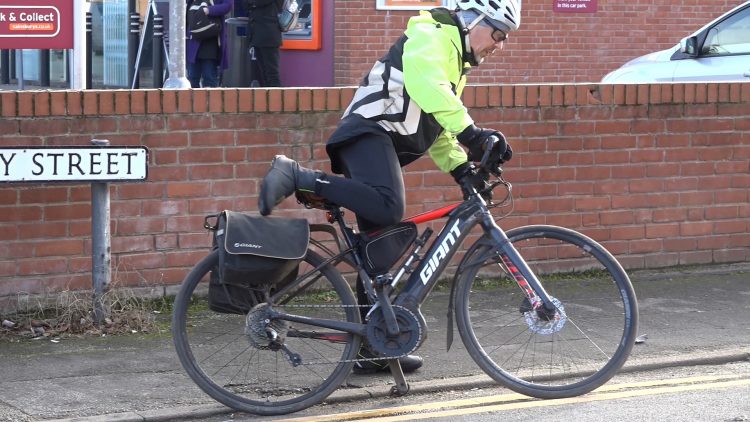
x=658, y=173
x=550, y=47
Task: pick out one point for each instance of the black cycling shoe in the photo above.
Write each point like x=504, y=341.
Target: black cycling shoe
x=409, y=363
x=284, y=177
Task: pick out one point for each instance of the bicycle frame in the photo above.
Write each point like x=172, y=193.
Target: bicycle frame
x=462, y=217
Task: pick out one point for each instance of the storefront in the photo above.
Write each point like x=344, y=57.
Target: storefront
x=309, y=44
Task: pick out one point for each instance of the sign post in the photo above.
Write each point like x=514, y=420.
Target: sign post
x=99, y=165
x=101, y=258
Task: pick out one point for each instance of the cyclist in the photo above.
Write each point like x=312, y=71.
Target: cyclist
x=408, y=104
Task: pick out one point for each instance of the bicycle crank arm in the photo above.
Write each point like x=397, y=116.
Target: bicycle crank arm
x=349, y=327
x=391, y=324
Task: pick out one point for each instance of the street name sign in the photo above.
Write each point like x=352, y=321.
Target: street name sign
x=73, y=164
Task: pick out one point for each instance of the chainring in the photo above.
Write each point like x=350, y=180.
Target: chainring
x=261, y=331
x=406, y=341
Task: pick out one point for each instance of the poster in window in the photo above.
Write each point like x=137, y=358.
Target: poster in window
x=411, y=4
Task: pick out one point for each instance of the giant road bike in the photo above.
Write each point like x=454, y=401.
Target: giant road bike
x=543, y=310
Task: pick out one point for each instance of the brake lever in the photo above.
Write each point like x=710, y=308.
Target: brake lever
x=489, y=144
x=498, y=171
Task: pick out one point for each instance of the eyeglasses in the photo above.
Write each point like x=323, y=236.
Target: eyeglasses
x=498, y=35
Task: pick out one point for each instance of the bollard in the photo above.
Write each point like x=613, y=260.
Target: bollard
x=5, y=67
x=133, y=40
x=19, y=74
x=158, y=51
x=100, y=242
x=89, y=49
x=44, y=67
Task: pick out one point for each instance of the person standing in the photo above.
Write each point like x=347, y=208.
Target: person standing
x=265, y=37
x=205, y=57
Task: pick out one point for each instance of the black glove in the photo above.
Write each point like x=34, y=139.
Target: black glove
x=467, y=177
x=475, y=140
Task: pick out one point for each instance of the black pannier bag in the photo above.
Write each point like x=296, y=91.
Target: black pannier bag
x=382, y=249
x=254, y=253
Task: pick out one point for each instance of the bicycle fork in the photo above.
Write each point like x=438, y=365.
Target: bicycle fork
x=532, y=288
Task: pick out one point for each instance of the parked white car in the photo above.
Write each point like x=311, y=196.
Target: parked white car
x=720, y=51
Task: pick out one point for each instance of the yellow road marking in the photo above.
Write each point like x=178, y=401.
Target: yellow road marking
x=518, y=401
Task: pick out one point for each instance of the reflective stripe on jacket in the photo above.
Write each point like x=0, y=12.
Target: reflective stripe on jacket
x=414, y=92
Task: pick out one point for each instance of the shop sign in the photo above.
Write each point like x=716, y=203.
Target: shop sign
x=36, y=24
x=574, y=6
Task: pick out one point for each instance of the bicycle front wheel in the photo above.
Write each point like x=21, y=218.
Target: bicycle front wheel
x=578, y=350
x=227, y=357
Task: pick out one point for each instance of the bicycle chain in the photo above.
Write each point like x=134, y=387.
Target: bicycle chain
x=339, y=361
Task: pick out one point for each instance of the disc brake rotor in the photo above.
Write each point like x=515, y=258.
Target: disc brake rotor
x=541, y=326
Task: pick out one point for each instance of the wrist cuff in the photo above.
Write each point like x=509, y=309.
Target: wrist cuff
x=468, y=134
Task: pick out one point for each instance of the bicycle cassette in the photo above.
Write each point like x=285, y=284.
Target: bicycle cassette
x=262, y=332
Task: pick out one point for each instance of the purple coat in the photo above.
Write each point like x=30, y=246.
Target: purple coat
x=220, y=8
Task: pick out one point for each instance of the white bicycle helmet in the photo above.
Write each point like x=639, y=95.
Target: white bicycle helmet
x=505, y=12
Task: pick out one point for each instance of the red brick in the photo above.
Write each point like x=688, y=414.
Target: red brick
x=138, y=102
x=215, y=100
x=230, y=101
x=26, y=104
x=90, y=102
x=169, y=101
x=9, y=103
x=289, y=100
x=42, y=104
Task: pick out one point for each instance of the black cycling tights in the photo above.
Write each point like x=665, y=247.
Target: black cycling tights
x=373, y=188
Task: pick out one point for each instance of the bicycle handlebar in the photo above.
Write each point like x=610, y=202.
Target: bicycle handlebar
x=485, y=166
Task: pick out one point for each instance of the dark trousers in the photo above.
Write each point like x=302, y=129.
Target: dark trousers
x=373, y=188
x=268, y=65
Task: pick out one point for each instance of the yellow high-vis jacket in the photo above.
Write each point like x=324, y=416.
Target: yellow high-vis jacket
x=414, y=94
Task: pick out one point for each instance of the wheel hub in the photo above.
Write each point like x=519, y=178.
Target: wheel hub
x=547, y=325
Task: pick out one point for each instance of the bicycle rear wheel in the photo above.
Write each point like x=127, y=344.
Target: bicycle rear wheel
x=228, y=363
x=581, y=348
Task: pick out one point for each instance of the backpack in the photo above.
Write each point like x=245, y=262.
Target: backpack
x=288, y=14
x=200, y=26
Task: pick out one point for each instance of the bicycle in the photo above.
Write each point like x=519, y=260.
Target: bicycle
x=560, y=337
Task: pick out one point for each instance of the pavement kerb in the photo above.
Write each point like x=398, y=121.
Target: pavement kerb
x=417, y=387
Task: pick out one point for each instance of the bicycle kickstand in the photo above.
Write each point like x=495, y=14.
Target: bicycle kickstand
x=402, y=387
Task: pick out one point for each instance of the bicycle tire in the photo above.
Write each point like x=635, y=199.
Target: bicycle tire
x=218, y=356
x=522, y=351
